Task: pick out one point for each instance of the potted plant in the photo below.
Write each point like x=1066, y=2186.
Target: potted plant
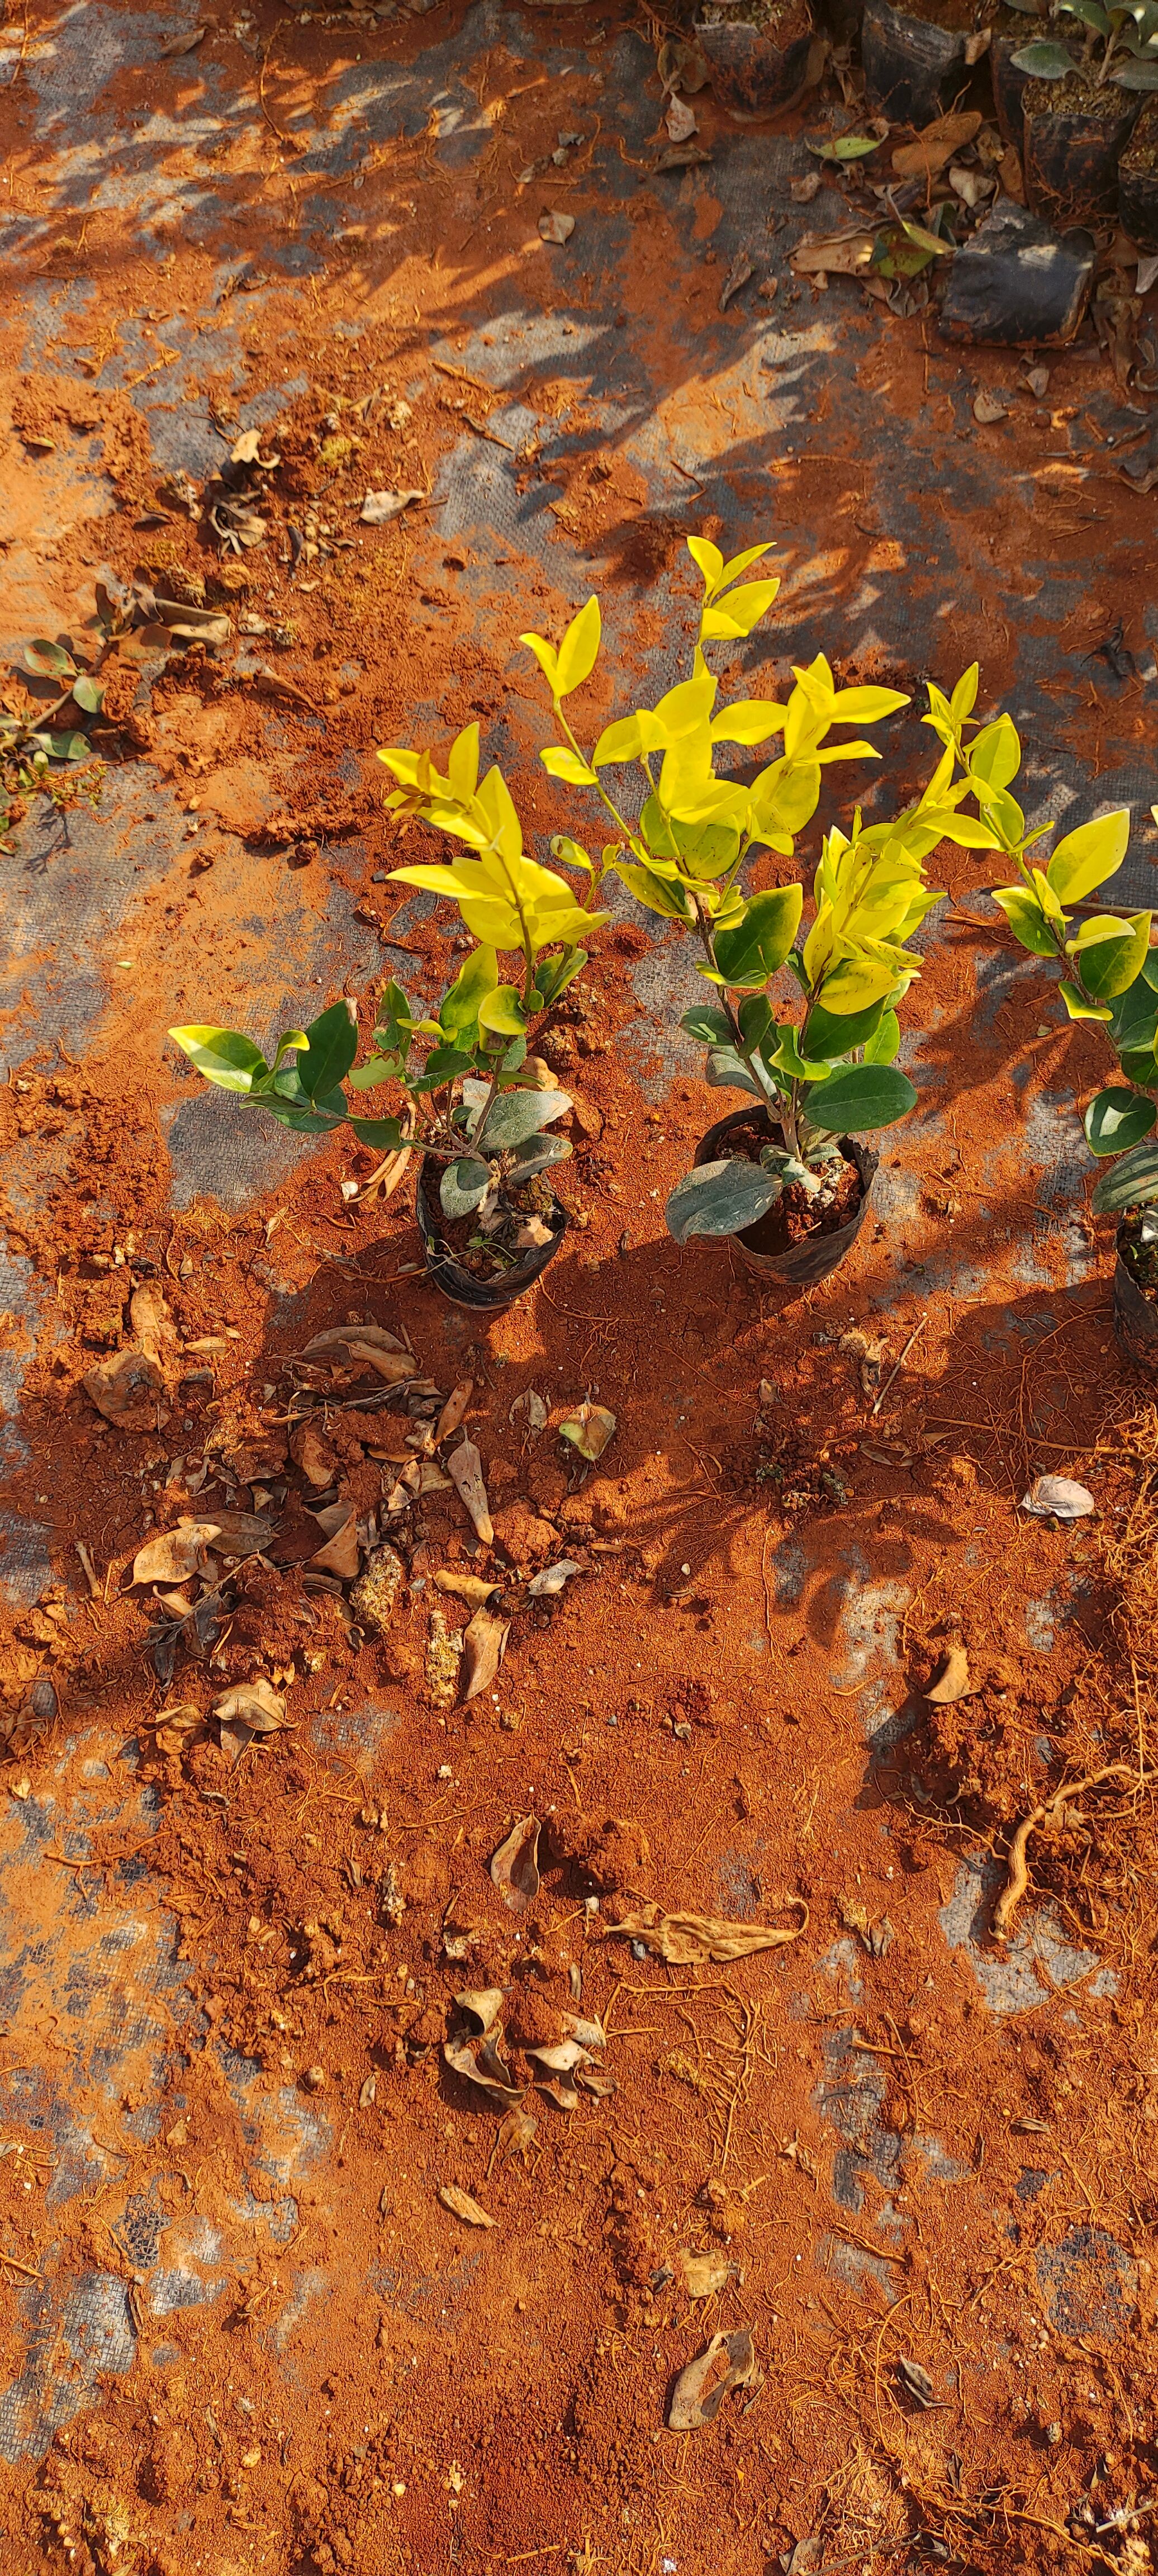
x=1078, y=110
x=1108, y=976
x=493, y=1222
x=758, y=52
x=786, y=1177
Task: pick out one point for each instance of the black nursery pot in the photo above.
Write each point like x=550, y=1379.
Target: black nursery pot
x=913, y=71
x=1071, y=160
x=483, y=1296
x=1138, y=189
x=753, y=74
x=1135, y=1319
x=804, y=1265
x=1008, y=87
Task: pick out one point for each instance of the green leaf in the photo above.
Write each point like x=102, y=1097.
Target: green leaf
x=333, y=1045
x=725, y=1070
x=224, y=1056
x=1136, y=76
x=478, y=976
x=503, y=1012
x=383, y=1134
x=882, y=1048
x=578, y=649
x=1085, y=858
x=516, y=1114
x=47, y=661
x=1109, y=965
x=1044, y=60
x=463, y=1186
x=1077, y=1006
x=1089, y=11
x=720, y=1198
x=786, y=1059
x=1118, y=1118
x=847, y=147
x=749, y=954
x=711, y=1027
x=1131, y=1183
x=656, y=894
x=858, y=1097
x=68, y=746
x=706, y=848
x=88, y=695
x=376, y=1070
x=553, y=974
x=537, y=1154
x=756, y=1019
x=1026, y=919
x=829, y=1035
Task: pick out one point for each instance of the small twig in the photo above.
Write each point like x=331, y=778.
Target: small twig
x=1017, y=1880
x=283, y=139
x=92, y=1576
x=895, y=1372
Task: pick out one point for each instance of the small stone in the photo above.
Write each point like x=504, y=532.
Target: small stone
x=314, y=2079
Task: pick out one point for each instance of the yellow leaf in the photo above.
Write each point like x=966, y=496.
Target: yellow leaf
x=546, y=657
x=578, y=649
x=708, y=560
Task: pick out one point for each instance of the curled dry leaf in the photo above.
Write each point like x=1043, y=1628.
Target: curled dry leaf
x=151, y=1322
x=1055, y=1498
x=552, y=1578
x=802, y=191
x=701, y=2275
x=378, y=507
x=515, y=1866
x=484, y=1646
x=175, y=1723
x=337, y=1341
x=952, y=1681
x=464, y=1467
x=916, y=2383
x=484, y=2005
x=517, y=2131
x=340, y=1553
x=175, y=1556
x=559, y=2091
x=936, y=145
x=237, y=1533
x=555, y=227
x=253, y=1704
x=680, y=120
x=588, y=1429
x=988, y=410
x=729, y=2362
x=453, y=1410
x=683, y=1938
x=178, y=45
x=127, y=1390
x=472, y=1588
x=530, y=1409
x=533, y=1234
x=480, y=2063
x=463, y=2206
x=311, y=1451
x=843, y=254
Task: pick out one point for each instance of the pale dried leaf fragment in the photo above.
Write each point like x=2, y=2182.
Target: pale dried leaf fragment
x=127, y=1390
x=254, y=1704
x=335, y=1344
x=552, y=1578
x=311, y=1451
x=988, y=410
x=681, y=121
x=683, y=1938
x=151, y=1321
x=484, y=2005
x=340, y=1553
x=484, y=1645
x=936, y=145
x=378, y=507
x=478, y=2061
x=462, y=2206
x=174, y=1556
x=515, y=1865
x=1147, y=273
x=1058, y=1498
x=555, y=227
x=729, y=2362
x=475, y=1589
x=702, y=2275
x=238, y=1533
x=953, y=1681
x=453, y=1411
x=393, y=1367
x=588, y=1429
x=843, y=254
x=802, y=191
x=174, y=1724
x=916, y=2382
x=368, y=2093
x=179, y=45
x=529, y=1408
x=517, y=2132
x=464, y=1467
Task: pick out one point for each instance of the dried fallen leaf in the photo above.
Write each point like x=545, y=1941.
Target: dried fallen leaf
x=151, y=1322
x=479, y=2062
x=843, y=254
x=463, y=2206
x=472, y=1588
x=255, y=1705
x=987, y=410
x=552, y=1578
x=174, y=1556
x=340, y=1553
x=700, y=2276
x=179, y=45
x=453, y=1410
x=682, y=1938
x=378, y=507
x=556, y=228
x=588, y=1429
x=311, y=1451
x=127, y=1390
x=729, y=2362
x=238, y=1533
x=680, y=120
x=936, y=145
x=1147, y=272
x=174, y=1723
x=484, y=1646
x=464, y=1467
x=802, y=191
x=916, y=2383
x=529, y=1408
x=485, y=2005
x=953, y=1681
x=394, y=1367
x=517, y=2131
x=515, y=1866
x=371, y=1339
x=1057, y=1498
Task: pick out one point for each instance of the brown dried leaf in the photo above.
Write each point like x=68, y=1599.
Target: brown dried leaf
x=916, y=2383
x=463, y=2206
x=311, y=1451
x=529, y=1408
x=987, y=410
x=151, y=1321
x=483, y=1650
x=337, y=1341
x=556, y=227
x=701, y=2275
x=239, y=1533
x=182, y=1719
x=127, y=1390
x=515, y=1866
x=680, y=120
x=517, y=2131
x=255, y=1705
x=472, y=1588
x=683, y=1938
x=464, y=1467
x=340, y=1553
x=588, y=1429
x=936, y=145
x=378, y=507
x=174, y=1556
x=179, y=45
x=453, y=1410
x=479, y=2062
x=485, y=2005
x=729, y=2362
x=953, y=1681
x=843, y=254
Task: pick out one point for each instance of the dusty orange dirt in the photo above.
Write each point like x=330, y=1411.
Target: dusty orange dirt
x=241, y=2325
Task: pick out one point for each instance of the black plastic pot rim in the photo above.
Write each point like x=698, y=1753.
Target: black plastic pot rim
x=461, y=1286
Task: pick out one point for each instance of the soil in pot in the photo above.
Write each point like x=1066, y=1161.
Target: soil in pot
x=795, y=1218
x=1075, y=131
x=1138, y=181
x=525, y=1223
x=758, y=51
x=914, y=58
x=1136, y=1296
